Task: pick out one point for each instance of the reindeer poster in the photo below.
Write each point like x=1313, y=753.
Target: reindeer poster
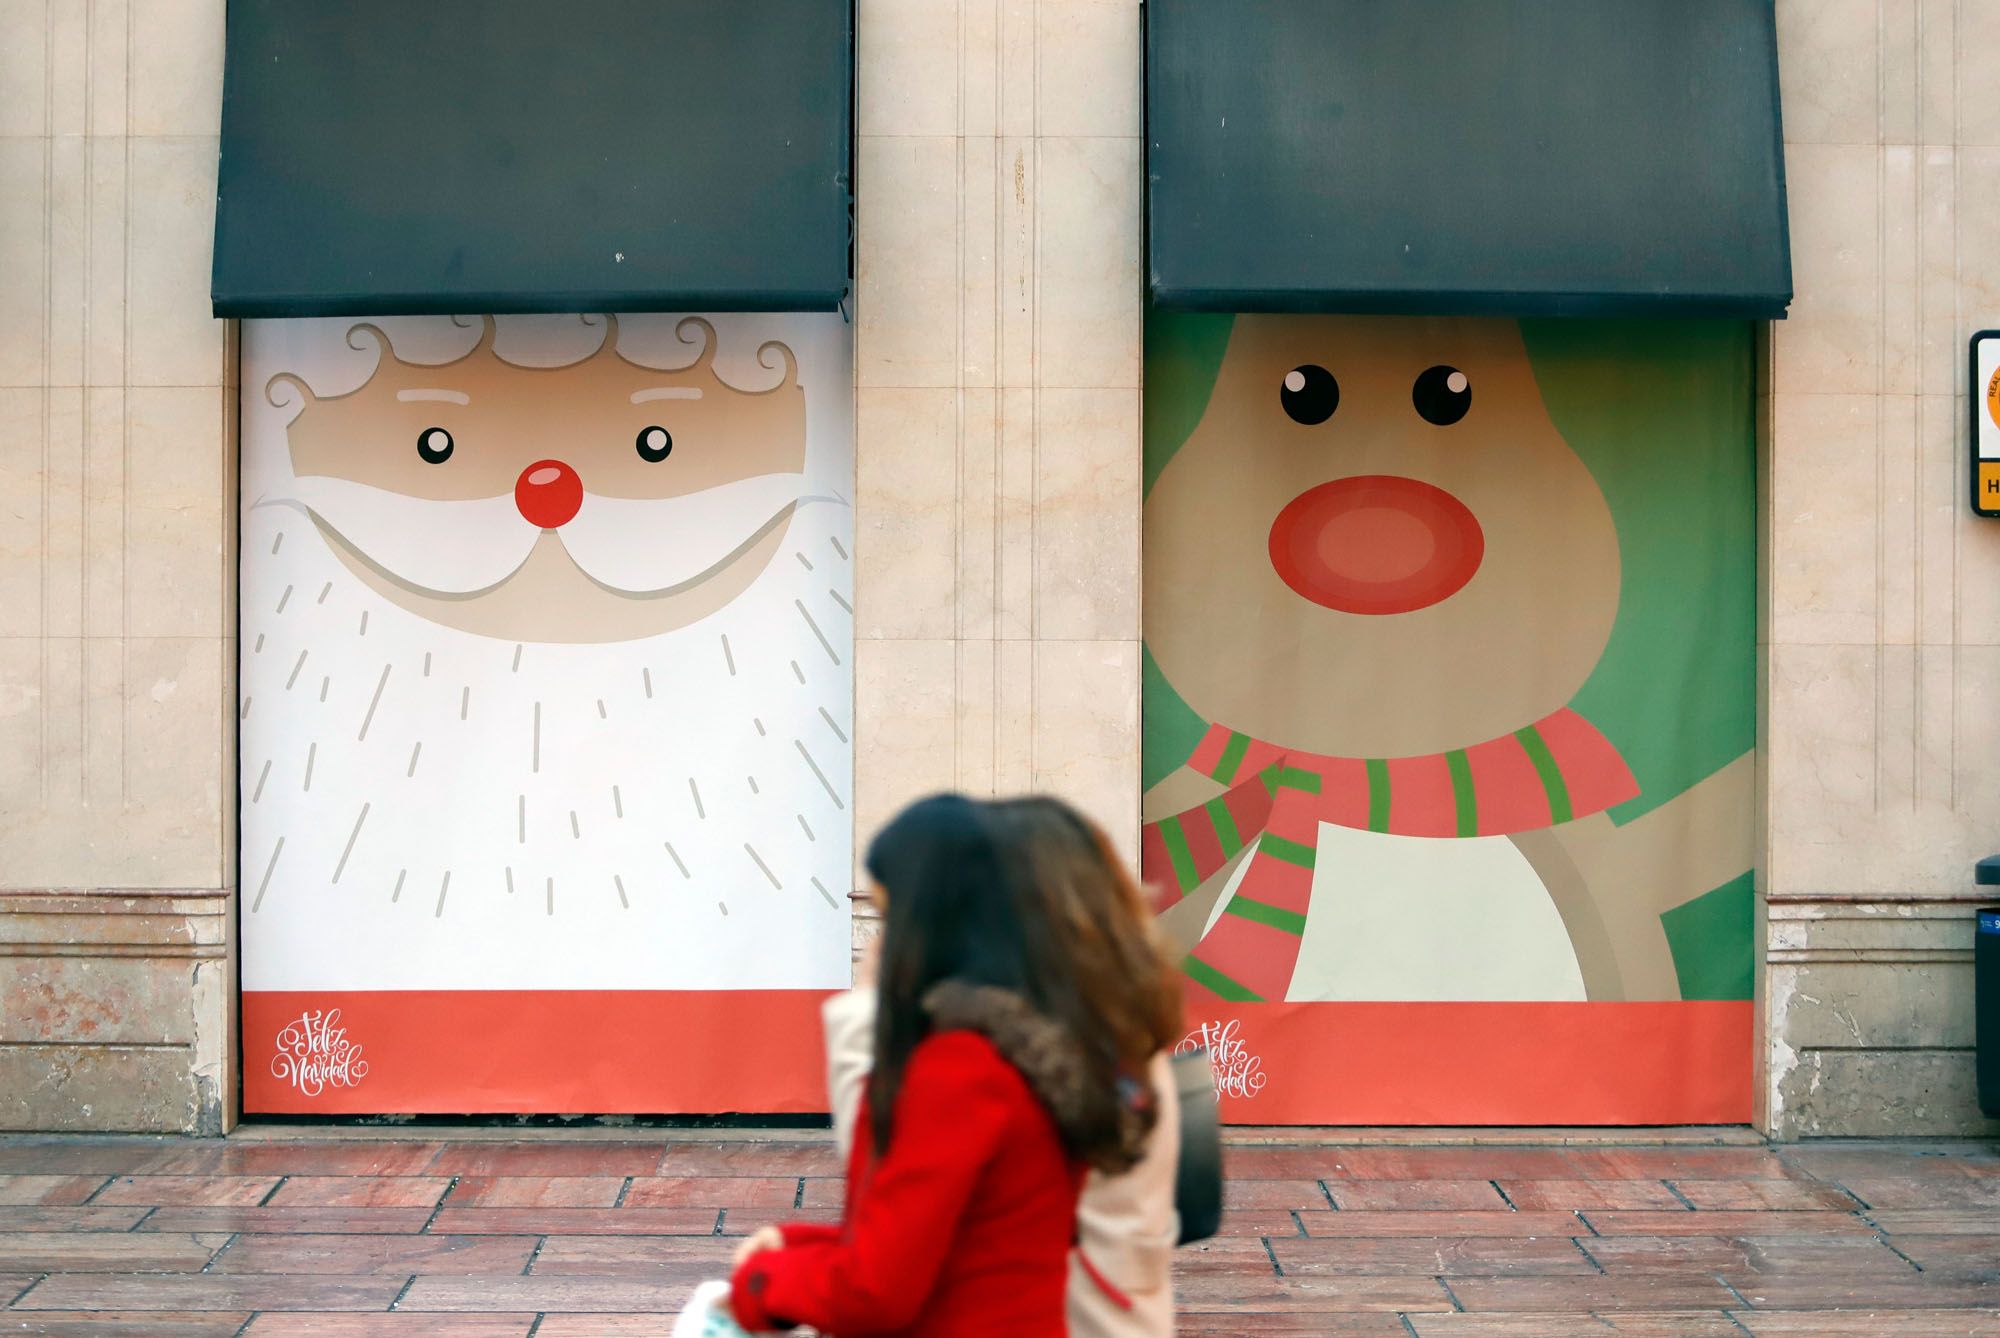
x=1449, y=713
x=546, y=632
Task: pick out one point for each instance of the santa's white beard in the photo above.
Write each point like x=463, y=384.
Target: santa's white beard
x=424, y=808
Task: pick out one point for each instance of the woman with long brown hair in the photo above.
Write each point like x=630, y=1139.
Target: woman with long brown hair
x=1001, y=1073
x=1120, y=1284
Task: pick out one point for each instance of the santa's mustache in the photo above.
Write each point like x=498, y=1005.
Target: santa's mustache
x=638, y=546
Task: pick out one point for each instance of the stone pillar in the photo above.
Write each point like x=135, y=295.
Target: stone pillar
x=997, y=351
x=117, y=573
x=1881, y=622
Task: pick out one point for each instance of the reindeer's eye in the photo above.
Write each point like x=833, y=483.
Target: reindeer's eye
x=655, y=443
x=1309, y=394
x=434, y=444
x=1442, y=395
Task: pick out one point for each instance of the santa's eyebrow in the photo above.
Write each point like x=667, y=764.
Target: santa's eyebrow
x=447, y=396
x=667, y=393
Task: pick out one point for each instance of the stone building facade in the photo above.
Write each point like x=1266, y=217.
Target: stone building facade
x=998, y=356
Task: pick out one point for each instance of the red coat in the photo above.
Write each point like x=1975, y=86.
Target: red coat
x=962, y=1230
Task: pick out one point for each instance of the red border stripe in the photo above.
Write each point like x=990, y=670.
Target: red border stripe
x=1488, y=1063
x=558, y=1052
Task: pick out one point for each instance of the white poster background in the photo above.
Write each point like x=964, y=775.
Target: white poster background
x=424, y=808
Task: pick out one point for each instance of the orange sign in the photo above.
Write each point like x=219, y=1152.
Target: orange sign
x=1984, y=370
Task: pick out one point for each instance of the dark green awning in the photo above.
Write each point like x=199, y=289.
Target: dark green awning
x=428, y=156
x=1518, y=157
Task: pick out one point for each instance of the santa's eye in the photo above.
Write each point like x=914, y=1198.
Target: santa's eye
x=655, y=443
x=1309, y=394
x=434, y=444
x=1442, y=395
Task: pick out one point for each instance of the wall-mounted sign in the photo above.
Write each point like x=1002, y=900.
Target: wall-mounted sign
x=1984, y=394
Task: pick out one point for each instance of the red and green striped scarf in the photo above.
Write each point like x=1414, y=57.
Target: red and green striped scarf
x=1553, y=771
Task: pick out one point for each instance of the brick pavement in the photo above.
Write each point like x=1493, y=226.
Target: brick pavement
x=580, y=1238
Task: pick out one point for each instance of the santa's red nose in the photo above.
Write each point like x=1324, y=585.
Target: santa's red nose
x=549, y=494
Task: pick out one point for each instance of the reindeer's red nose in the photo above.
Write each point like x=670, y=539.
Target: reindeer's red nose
x=549, y=494
x=1376, y=544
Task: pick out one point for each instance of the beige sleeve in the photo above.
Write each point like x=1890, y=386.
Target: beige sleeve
x=1127, y=1225
x=849, y=1018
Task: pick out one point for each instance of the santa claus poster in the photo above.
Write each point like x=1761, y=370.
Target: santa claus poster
x=1449, y=713
x=546, y=634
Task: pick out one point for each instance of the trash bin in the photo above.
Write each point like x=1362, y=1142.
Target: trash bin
x=1986, y=991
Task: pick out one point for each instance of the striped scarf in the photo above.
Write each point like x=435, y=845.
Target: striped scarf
x=1555, y=770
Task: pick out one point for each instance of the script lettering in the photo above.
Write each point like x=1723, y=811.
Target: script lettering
x=315, y=1054
x=1237, y=1072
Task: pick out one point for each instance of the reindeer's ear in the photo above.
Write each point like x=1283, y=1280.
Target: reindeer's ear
x=304, y=396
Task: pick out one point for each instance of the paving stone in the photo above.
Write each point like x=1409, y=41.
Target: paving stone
x=754, y=1159
x=1450, y=1163
x=1735, y=1256
x=370, y=1157
x=1572, y=1295
x=71, y=1219
x=1416, y=1195
x=107, y=1252
x=1936, y=1221
x=162, y=1190
x=822, y=1192
x=1262, y=1222
x=210, y=1291
x=693, y=1257
x=14, y=1285
x=1834, y=1159
x=1269, y=1294
x=1837, y=1291
x=1960, y=1253
x=1927, y=1192
x=524, y=1191
x=774, y=1194
x=626, y=1221
x=1871, y=1323
x=355, y=1256
x=49, y=1190
x=1328, y=1223
x=743, y=1221
x=369, y=1326
x=1224, y=1256
x=1606, y=1324
x=1764, y=1195
x=124, y=1324
x=1725, y=1224
x=607, y=1325
x=1677, y=1163
x=311, y=1221
x=1568, y=1195
x=1282, y=1194
x=548, y=1158
x=1236, y=1324
x=546, y=1291
x=119, y=1156
x=1435, y=1255
x=356, y=1191
x=1281, y=1163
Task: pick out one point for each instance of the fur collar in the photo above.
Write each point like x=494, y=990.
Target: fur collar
x=1100, y=1122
